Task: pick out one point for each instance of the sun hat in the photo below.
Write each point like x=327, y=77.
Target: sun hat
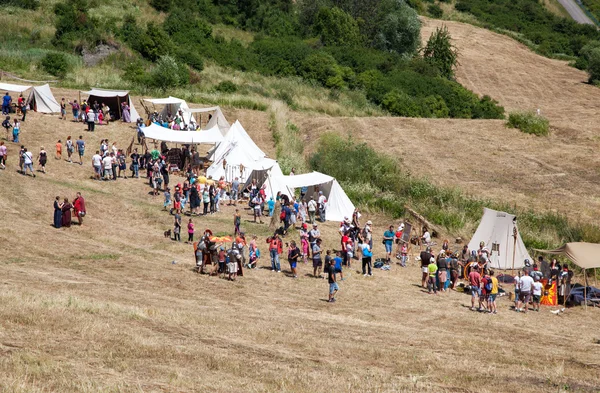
x=369, y=222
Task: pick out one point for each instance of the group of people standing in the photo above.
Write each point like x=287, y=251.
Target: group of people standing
x=62, y=211
x=92, y=113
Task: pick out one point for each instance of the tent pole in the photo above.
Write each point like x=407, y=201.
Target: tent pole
x=585, y=288
x=119, y=106
x=515, y=234
x=595, y=278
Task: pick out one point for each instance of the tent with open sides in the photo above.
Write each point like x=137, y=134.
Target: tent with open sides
x=40, y=98
x=172, y=105
x=159, y=133
x=113, y=98
x=338, y=204
x=497, y=230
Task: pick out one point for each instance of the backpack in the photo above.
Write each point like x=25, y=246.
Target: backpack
x=282, y=215
x=489, y=285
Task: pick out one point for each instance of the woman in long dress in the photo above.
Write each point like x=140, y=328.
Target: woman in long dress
x=57, y=213
x=125, y=113
x=66, y=213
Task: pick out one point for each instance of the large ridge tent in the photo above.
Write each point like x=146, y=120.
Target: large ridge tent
x=40, y=98
x=236, y=155
x=159, y=133
x=113, y=98
x=496, y=230
x=172, y=105
x=338, y=206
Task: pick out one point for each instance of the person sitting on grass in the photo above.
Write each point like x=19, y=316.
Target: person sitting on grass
x=331, y=279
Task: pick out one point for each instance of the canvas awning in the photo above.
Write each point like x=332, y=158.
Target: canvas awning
x=113, y=99
x=203, y=110
x=159, y=133
x=106, y=93
x=584, y=255
x=164, y=101
x=15, y=88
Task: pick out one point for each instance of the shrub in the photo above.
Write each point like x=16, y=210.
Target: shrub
x=399, y=103
x=73, y=22
x=321, y=67
x=55, y=64
x=529, y=122
x=169, y=74
x=226, y=87
x=593, y=67
x=154, y=43
x=440, y=53
x=335, y=27
x=435, y=11
x=25, y=4
x=488, y=108
x=399, y=28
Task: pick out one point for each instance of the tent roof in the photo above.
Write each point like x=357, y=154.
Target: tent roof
x=584, y=255
x=307, y=179
x=164, y=101
x=157, y=132
x=203, y=110
x=219, y=119
x=237, y=139
x=16, y=88
x=106, y=93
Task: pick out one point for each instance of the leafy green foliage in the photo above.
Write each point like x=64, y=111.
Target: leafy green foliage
x=226, y=87
x=25, y=4
x=529, y=122
x=594, y=65
x=399, y=28
x=440, y=53
x=55, y=64
x=73, y=23
x=168, y=74
x=435, y=11
x=154, y=43
x=335, y=27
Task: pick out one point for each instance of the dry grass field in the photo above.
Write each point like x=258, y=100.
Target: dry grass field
x=560, y=172
x=102, y=308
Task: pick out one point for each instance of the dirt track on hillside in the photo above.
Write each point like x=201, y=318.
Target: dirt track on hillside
x=485, y=158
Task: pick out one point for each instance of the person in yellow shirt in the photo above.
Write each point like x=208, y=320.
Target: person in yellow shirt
x=432, y=269
x=493, y=294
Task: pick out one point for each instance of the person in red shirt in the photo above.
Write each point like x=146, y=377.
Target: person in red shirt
x=475, y=282
x=275, y=249
x=344, y=243
x=79, y=208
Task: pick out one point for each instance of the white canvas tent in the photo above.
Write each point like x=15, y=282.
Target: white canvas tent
x=159, y=133
x=172, y=105
x=41, y=100
x=218, y=119
x=497, y=228
x=338, y=204
x=113, y=98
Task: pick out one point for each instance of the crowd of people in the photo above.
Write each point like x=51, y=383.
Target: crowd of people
x=92, y=113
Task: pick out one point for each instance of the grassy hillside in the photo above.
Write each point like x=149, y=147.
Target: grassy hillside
x=103, y=308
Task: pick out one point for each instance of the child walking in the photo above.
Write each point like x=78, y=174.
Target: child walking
x=190, y=231
x=177, y=228
x=333, y=286
x=58, y=150
x=167, y=195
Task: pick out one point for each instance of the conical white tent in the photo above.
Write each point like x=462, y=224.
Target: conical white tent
x=218, y=119
x=41, y=100
x=172, y=105
x=338, y=204
x=497, y=228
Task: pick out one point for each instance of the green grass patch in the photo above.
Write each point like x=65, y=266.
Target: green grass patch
x=529, y=123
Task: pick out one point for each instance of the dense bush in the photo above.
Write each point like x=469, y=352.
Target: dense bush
x=55, y=64
x=399, y=28
x=529, y=122
x=226, y=87
x=435, y=10
x=335, y=27
x=74, y=24
x=26, y=4
x=167, y=73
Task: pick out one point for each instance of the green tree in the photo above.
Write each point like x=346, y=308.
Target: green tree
x=323, y=68
x=594, y=65
x=56, y=64
x=154, y=43
x=73, y=22
x=335, y=27
x=169, y=74
x=398, y=29
x=440, y=52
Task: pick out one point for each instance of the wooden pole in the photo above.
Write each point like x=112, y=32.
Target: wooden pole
x=119, y=106
x=595, y=278
x=585, y=288
x=515, y=234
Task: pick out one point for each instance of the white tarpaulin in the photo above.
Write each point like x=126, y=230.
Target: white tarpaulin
x=113, y=98
x=172, y=107
x=338, y=204
x=4, y=87
x=218, y=119
x=159, y=133
x=41, y=100
x=497, y=228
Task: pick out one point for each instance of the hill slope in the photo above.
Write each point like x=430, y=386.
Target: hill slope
x=102, y=308
x=485, y=158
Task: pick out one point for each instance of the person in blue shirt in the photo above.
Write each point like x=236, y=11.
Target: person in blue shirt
x=388, y=241
x=338, y=264
x=6, y=100
x=271, y=204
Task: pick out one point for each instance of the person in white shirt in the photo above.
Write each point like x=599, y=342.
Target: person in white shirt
x=322, y=202
x=526, y=285
x=426, y=236
x=312, y=209
x=27, y=162
x=97, y=164
x=537, y=293
x=107, y=164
